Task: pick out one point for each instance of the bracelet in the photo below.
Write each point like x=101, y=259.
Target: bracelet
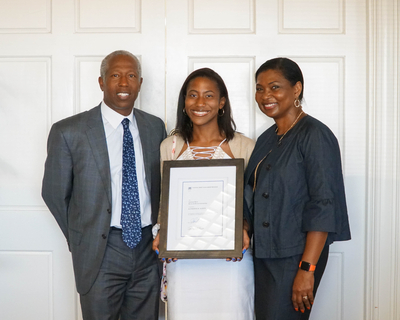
x=155, y=229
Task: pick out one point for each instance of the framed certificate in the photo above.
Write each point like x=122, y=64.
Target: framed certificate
x=202, y=209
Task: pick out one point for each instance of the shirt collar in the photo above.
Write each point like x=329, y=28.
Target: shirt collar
x=113, y=117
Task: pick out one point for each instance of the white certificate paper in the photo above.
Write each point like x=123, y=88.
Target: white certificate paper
x=202, y=207
x=201, y=210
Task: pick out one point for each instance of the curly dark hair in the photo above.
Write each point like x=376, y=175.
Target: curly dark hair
x=289, y=69
x=225, y=122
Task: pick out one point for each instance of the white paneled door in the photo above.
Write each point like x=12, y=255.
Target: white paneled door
x=50, y=54
x=50, y=57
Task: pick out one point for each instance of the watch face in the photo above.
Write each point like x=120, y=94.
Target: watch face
x=305, y=266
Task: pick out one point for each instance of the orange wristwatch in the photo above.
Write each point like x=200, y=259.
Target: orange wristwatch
x=306, y=266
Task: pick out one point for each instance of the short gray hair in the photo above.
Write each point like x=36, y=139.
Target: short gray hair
x=104, y=63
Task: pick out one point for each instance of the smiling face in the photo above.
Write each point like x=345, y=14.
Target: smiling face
x=275, y=95
x=121, y=84
x=202, y=101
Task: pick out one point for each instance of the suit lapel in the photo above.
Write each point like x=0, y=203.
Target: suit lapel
x=145, y=134
x=98, y=145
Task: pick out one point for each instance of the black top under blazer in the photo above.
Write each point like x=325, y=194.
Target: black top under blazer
x=299, y=189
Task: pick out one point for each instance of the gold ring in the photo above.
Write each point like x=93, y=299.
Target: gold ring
x=305, y=298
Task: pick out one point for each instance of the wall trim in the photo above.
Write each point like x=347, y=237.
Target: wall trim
x=382, y=283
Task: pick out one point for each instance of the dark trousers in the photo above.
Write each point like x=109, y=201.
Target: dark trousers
x=128, y=283
x=273, y=286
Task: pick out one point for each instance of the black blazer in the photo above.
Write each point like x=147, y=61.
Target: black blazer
x=299, y=188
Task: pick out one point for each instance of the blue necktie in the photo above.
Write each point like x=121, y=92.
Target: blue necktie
x=130, y=215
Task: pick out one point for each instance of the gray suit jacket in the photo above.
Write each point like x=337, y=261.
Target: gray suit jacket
x=77, y=184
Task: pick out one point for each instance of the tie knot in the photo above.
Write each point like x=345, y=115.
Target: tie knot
x=125, y=123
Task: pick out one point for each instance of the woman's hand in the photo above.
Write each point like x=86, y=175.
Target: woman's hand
x=302, y=294
x=156, y=243
x=246, y=245
x=303, y=284
x=246, y=241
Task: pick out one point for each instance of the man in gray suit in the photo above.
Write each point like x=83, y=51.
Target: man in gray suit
x=83, y=186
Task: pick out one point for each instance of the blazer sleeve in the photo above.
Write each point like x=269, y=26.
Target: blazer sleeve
x=326, y=209
x=167, y=154
x=58, y=178
x=242, y=147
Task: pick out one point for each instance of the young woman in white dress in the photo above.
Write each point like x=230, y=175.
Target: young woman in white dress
x=208, y=288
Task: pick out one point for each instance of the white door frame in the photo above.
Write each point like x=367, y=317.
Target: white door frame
x=382, y=284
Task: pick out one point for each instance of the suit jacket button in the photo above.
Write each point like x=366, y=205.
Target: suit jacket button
x=104, y=236
x=268, y=167
x=109, y=210
x=265, y=224
x=265, y=195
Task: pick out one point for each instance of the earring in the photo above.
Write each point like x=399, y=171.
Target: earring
x=297, y=103
x=184, y=111
x=221, y=114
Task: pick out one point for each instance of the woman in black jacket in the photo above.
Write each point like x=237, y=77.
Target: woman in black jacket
x=295, y=196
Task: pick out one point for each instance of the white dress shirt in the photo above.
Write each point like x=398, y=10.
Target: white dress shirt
x=114, y=136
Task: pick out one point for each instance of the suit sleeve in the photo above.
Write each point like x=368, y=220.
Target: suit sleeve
x=58, y=178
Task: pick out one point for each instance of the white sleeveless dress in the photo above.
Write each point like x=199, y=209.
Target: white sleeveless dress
x=210, y=289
